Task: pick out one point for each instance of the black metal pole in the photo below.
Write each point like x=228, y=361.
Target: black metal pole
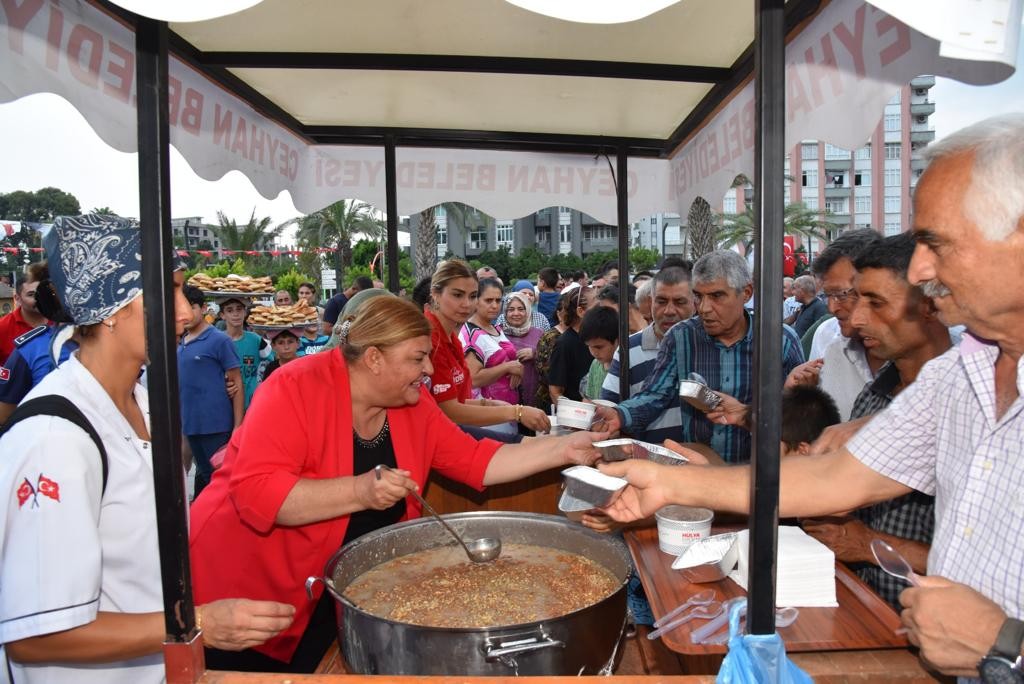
x=622, y=202
x=391, y=181
x=158, y=298
x=769, y=157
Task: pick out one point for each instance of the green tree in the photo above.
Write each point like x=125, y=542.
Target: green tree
x=254, y=235
x=290, y=280
x=41, y=206
x=739, y=229
x=643, y=259
x=335, y=226
x=105, y=211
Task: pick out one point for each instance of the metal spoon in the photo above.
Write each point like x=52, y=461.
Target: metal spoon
x=890, y=560
x=479, y=550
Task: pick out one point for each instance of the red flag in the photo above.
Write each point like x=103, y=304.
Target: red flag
x=228, y=252
x=205, y=253
x=48, y=487
x=24, y=492
x=275, y=252
x=37, y=249
x=183, y=252
x=295, y=252
x=252, y=252
x=11, y=250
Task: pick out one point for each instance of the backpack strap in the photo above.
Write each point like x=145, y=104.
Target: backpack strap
x=60, y=407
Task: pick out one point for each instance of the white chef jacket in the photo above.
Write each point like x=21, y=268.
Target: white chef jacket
x=69, y=549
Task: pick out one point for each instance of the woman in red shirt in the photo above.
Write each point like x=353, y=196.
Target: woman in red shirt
x=298, y=481
x=453, y=291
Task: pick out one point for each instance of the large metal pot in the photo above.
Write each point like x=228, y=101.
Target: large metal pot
x=581, y=642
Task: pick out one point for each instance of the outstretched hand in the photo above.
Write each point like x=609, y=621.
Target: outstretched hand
x=237, y=624
x=644, y=495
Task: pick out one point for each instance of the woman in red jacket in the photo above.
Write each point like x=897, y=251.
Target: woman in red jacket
x=298, y=482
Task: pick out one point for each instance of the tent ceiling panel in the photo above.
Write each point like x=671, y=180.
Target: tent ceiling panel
x=716, y=31
x=505, y=102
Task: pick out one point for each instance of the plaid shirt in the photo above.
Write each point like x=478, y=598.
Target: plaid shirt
x=688, y=348
x=911, y=516
x=941, y=436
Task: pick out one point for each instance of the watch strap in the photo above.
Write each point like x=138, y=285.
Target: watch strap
x=1008, y=642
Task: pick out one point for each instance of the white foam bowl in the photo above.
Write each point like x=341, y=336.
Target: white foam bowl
x=575, y=414
x=680, y=526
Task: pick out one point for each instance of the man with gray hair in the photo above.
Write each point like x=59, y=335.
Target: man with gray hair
x=644, y=298
x=956, y=432
x=718, y=344
x=811, y=308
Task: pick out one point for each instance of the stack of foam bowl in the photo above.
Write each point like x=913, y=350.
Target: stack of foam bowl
x=575, y=414
x=572, y=507
x=680, y=526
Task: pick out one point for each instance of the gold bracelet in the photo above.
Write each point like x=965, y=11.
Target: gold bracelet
x=199, y=618
x=519, y=413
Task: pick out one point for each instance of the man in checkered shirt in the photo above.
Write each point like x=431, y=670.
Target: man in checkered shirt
x=896, y=322
x=957, y=432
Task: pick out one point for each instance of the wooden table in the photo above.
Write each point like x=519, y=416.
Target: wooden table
x=862, y=620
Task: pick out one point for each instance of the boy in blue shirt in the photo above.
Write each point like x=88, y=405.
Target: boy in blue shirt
x=206, y=356
x=251, y=348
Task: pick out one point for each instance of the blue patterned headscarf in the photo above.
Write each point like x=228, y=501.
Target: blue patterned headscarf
x=95, y=264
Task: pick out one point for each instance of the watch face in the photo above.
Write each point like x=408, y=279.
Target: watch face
x=996, y=670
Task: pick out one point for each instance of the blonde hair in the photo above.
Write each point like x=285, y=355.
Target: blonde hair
x=382, y=322
x=450, y=270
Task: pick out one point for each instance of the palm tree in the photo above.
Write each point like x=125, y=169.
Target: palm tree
x=426, y=244
x=739, y=229
x=335, y=226
x=702, y=228
x=254, y=235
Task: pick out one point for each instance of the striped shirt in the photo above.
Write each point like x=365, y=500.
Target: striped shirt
x=643, y=351
x=911, y=516
x=687, y=348
x=941, y=436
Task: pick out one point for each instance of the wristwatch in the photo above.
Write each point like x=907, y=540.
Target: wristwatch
x=1004, y=663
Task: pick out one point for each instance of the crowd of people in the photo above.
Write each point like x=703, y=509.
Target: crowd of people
x=901, y=421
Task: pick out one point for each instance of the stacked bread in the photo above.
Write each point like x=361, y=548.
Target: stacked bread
x=295, y=316
x=233, y=283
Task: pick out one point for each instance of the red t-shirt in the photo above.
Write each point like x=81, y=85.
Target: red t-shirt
x=299, y=426
x=12, y=325
x=451, y=379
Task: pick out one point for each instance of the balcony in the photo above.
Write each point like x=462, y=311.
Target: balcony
x=922, y=136
x=918, y=164
x=837, y=191
x=925, y=108
x=922, y=82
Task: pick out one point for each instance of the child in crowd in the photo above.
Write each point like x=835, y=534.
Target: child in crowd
x=311, y=340
x=806, y=412
x=286, y=348
x=252, y=349
x=600, y=332
x=206, y=357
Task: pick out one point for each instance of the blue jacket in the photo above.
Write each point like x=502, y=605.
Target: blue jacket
x=29, y=363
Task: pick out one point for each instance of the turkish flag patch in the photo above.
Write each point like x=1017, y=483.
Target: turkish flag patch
x=48, y=487
x=5, y=374
x=25, y=492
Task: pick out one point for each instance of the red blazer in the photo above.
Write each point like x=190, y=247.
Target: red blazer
x=300, y=426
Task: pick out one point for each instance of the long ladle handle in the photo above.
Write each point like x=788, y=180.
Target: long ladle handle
x=430, y=508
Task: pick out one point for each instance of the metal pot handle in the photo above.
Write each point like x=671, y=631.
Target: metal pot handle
x=499, y=648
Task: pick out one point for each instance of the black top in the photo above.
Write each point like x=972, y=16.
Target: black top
x=809, y=315
x=570, y=361
x=333, y=308
x=366, y=456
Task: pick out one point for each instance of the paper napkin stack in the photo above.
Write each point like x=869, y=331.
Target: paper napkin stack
x=805, y=569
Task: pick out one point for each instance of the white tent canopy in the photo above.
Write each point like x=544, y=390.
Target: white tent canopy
x=316, y=74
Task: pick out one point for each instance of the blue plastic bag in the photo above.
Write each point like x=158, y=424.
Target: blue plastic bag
x=756, y=658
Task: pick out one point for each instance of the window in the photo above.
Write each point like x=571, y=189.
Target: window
x=564, y=216
x=809, y=151
x=729, y=205
x=836, y=180
x=892, y=178
x=892, y=228
x=504, y=232
x=833, y=152
x=565, y=233
x=892, y=205
x=837, y=206
x=864, y=152
x=598, y=233
x=811, y=202
x=442, y=233
x=893, y=150
x=478, y=239
x=892, y=122
x=862, y=178
x=810, y=179
x=862, y=205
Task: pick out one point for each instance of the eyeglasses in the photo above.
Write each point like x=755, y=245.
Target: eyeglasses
x=842, y=295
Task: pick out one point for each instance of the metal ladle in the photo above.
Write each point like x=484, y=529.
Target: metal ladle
x=479, y=550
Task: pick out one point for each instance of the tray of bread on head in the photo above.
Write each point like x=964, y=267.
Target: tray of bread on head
x=282, y=317
x=232, y=285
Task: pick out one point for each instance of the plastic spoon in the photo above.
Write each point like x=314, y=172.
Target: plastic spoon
x=701, y=598
x=784, y=617
x=479, y=550
x=890, y=560
x=700, y=611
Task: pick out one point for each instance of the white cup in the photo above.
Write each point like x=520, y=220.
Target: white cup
x=680, y=526
x=575, y=414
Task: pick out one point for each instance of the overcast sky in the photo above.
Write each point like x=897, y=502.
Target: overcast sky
x=44, y=141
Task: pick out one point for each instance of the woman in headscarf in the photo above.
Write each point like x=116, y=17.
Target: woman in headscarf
x=299, y=479
x=523, y=335
x=81, y=593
